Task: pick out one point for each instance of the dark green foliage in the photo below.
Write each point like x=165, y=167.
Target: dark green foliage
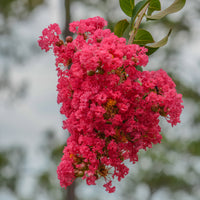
x=18, y=8
x=44, y=180
x=57, y=153
x=194, y=148
x=5, y=7
x=3, y=160
x=11, y=161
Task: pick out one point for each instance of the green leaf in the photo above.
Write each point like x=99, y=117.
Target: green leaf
x=136, y=10
x=151, y=50
x=143, y=37
x=120, y=27
x=127, y=6
x=161, y=42
x=154, y=5
x=175, y=7
x=139, y=68
x=155, y=46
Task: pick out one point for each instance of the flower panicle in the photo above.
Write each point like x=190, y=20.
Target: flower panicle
x=112, y=109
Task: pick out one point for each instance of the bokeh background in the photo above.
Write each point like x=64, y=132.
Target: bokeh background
x=31, y=135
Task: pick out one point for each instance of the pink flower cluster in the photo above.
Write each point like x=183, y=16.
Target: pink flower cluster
x=112, y=109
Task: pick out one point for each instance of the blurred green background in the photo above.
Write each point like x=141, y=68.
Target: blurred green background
x=31, y=135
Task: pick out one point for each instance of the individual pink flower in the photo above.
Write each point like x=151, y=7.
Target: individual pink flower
x=108, y=187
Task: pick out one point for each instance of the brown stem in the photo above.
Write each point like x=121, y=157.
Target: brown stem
x=66, y=31
x=137, y=24
x=70, y=192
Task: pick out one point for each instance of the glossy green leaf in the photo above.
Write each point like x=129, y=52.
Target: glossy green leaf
x=143, y=37
x=120, y=27
x=153, y=6
x=138, y=7
x=155, y=46
x=127, y=6
x=175, y=7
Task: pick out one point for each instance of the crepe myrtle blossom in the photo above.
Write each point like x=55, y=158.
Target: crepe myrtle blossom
x=112, y=110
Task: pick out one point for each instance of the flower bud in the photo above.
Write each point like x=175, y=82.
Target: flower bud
x=69, y=39
x=91, y=73
x=59, y=43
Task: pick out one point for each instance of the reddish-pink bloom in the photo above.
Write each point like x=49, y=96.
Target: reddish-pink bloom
x=49, y=37
x=108, y=187
x=112, y=110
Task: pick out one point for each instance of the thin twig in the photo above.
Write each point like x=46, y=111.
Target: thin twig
x=137, y=24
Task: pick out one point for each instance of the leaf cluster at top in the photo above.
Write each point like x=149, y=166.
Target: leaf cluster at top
x=143, y=37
